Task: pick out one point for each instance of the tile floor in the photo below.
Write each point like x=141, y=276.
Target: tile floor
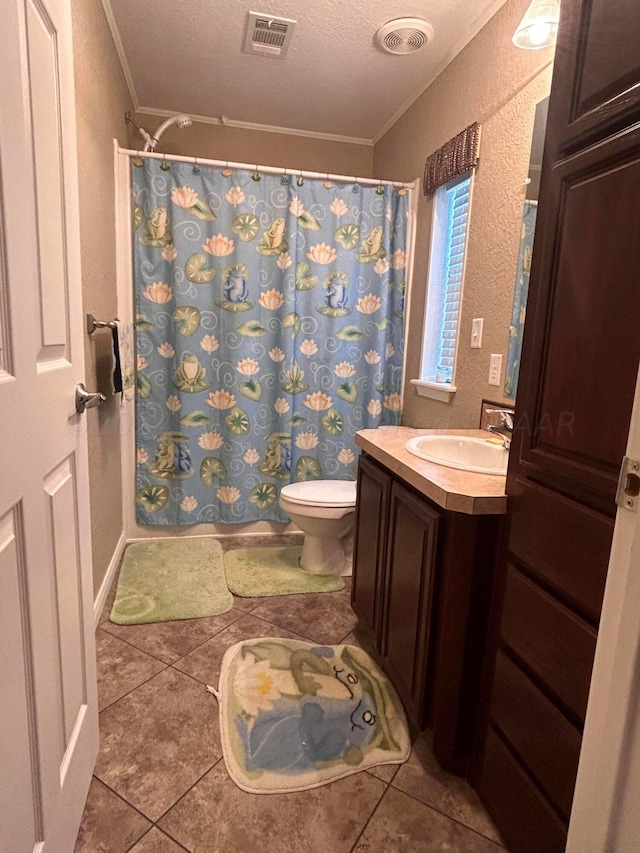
x=160, y=784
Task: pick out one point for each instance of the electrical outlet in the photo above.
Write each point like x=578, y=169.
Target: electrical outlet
x=495, y=368
x=476, y=333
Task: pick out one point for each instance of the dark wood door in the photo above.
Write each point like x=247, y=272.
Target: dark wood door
x=411, y=555
x=369, y=547
x=579, y=365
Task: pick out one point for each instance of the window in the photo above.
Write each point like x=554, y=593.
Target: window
x=444, y=294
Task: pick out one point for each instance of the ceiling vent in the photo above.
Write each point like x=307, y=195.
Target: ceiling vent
x=268, y=36
x=404, y=35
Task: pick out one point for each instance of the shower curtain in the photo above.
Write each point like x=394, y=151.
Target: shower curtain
x=269, y=329
x=521, y=292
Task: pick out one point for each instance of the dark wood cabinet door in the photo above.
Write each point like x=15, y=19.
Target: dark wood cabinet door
x=599, y=53
x=581, y=356
x=411, y=555
x=369, y=542
x=579, y=365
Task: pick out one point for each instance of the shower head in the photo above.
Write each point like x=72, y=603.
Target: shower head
x=181, y=120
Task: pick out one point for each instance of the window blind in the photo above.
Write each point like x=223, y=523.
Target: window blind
x=451, y=284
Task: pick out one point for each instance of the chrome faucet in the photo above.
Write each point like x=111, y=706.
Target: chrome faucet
x=504, y=429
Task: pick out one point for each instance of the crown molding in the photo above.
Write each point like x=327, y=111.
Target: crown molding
x=473, y=31
x=265, y=128
x=481, y=21
x=115, y=34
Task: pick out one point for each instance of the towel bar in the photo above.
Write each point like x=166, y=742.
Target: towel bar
x=93, y=324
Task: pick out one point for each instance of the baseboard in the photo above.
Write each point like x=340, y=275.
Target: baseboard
x=292, y=531
x=105, y=586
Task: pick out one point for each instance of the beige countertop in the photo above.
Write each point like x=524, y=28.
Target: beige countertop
x=450, y=488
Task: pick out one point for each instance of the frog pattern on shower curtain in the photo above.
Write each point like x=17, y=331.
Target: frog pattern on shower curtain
x=269, y=329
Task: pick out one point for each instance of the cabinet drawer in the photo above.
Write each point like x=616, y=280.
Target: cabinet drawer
x=556, y=644
x=566, y=542
x=521, y=813
x=546, y=743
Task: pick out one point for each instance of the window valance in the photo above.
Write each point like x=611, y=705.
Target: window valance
x=454, y=158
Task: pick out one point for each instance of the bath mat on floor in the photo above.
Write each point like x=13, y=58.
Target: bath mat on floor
x=254, y=572
x=294, y=715
x=171, y=579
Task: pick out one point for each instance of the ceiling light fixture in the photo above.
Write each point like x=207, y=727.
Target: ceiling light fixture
x=539, y=26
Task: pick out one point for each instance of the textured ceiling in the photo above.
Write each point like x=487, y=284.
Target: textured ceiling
x=186, y=56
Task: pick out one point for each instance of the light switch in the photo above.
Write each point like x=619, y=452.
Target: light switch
x=476, y=333
x=495, y=368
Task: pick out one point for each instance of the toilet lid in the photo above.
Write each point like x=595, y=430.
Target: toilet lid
x=322, y=492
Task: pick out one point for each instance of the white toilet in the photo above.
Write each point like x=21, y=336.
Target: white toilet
x=324, y=510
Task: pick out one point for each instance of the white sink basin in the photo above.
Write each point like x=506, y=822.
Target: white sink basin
x=461, y=451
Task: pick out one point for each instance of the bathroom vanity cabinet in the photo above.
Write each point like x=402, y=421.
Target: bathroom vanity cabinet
x=394, y=606
x=421, y=586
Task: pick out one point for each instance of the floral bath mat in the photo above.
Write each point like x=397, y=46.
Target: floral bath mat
x=295, y=715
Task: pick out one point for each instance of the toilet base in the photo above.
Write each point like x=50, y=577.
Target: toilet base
x=324, y=555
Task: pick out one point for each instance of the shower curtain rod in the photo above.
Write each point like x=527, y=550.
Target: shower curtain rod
x=268, y=170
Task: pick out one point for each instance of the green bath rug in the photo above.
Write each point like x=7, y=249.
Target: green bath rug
x=296, y=715
x=256, y=572
x=171, y=579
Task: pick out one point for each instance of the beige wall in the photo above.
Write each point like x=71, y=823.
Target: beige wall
x=266, y=149
x=102, y=99
x=498, y=85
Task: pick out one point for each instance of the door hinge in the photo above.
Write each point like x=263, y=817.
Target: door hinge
x=629, y=484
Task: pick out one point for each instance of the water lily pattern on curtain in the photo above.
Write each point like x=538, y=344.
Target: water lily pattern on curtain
x=520, y=298
x=269, y=329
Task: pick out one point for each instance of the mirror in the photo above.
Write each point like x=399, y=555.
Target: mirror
x=529, y=213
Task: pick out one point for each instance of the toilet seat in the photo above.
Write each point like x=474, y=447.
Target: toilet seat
x=322, y=493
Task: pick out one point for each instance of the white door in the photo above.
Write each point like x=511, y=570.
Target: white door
x=48, y=708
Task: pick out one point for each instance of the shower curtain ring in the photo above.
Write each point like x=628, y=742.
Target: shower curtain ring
x=300, y=180
x=380, y=189
x=196, y=168
x=284, y=178
x=164, y=165
x=226, y=172
x=327, y=183
x=256, y=175
x=137, y=160
x=356, y=186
